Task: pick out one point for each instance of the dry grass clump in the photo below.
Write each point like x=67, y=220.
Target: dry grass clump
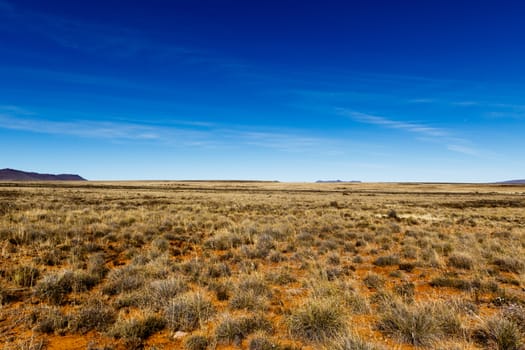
x=95, y=315
x=500, y=333
x=25, y=276
x=188, y=311
x=460, y=261
x=353, y=342
x=51, y=320
x=451, y=282
x=509, y=264
x=196, y=342
x=251, y=293
x=419, y=324
x=317, y=320
x=387, y=260
x=235, y=329
x=123, y=279
x=54, y=288
x=373, y=280
x=111, y=264
x=160, y=292
x=134, y=331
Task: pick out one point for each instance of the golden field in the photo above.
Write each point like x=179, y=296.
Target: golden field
x=253, y=265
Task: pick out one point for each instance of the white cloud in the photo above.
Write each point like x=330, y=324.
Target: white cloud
x=394, y=124
x=424, y=132
x=462, y=149
x=188, y=134
x=79, y=128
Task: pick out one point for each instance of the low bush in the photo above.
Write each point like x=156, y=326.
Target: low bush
x=420, y=324
x=94, y=316
x=137, y=330
x=317, y=320
x=353, y=342
x=374, y=281
x=188, y=311
x=196, y=342
x=25, y=276
x=388, y=260
x=235, y=329
x=460, y=261
x=499, y=333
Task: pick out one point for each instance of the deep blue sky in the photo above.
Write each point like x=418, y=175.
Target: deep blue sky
x=277, y=90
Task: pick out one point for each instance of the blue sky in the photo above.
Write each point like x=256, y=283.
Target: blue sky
x=272, y=90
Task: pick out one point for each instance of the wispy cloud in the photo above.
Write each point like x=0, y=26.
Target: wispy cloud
x=463, y=149
x=107, y=130
x=422, y=131
x=281, y=141
x=466, y=103
x=422, y=100
x=22, y=119
x=187, y=134
x=393, y=124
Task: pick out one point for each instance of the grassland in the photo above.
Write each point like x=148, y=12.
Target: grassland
x=228, y=265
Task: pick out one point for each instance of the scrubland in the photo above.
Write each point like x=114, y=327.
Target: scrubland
x=246, y=265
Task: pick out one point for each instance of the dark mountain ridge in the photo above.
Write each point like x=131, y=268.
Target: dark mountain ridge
x=513, y=182
x=19, y=175
x=335, y=181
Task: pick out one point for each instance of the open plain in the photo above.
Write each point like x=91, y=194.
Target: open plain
x=261, y=265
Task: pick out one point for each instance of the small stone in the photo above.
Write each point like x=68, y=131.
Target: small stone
x=179, y=334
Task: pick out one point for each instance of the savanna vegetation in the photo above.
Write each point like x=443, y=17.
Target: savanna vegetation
x=246, y=265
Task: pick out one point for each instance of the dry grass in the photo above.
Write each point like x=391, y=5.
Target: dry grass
x=222, y=265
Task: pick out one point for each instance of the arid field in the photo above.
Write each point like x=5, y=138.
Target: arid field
x=249, y=265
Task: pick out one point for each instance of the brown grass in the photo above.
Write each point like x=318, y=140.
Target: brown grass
x=223, y=265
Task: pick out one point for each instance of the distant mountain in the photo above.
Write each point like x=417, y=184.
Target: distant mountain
x=513, y=182
x=18, y=175
x=335, y=181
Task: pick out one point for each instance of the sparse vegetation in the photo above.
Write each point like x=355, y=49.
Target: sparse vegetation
x=261, y=266
x=187, y=312
x=317, y=320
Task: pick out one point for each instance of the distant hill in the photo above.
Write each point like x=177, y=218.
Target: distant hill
x=335, y=181
x=18, y=175
x=513, y=182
